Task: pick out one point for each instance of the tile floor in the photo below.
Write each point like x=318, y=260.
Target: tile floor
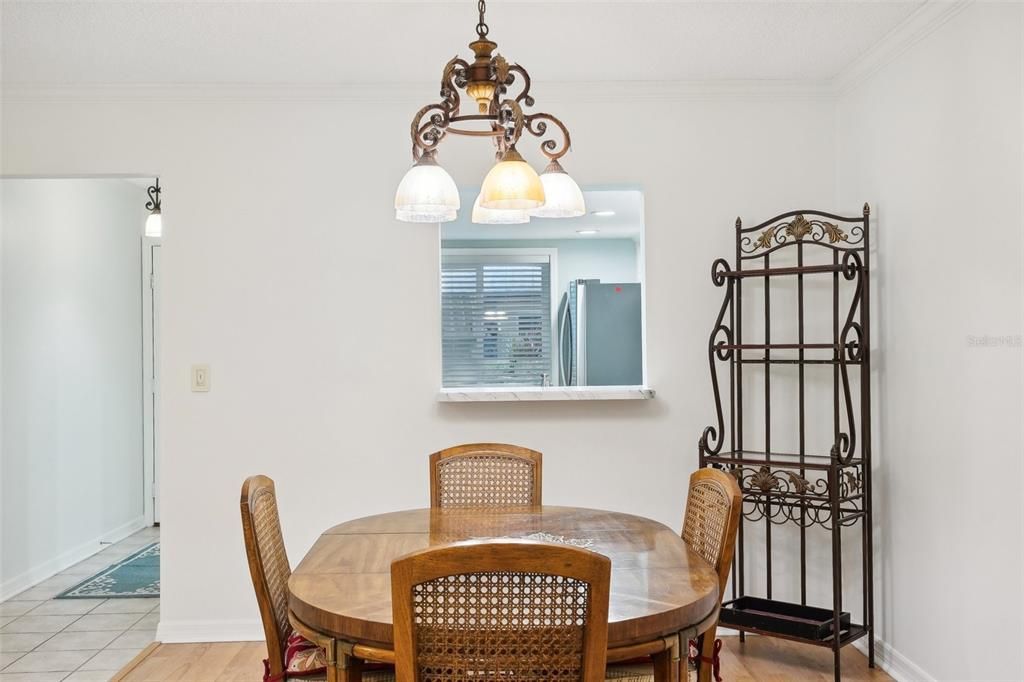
x=43, y=639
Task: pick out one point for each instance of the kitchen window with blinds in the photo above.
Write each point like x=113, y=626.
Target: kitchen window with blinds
x=496, y=311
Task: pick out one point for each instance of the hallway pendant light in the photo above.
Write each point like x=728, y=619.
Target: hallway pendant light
x=500, y=91
x=491, y=216
x=427, y=194
x=562, y=196
x=154, y=222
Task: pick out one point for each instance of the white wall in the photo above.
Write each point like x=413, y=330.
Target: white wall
x=278, y=220
x=934, y=141
x=72, y=372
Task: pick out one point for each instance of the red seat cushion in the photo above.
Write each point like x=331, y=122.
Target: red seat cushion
x=302, y=658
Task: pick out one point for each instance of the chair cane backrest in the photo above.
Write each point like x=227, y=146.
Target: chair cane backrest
x=501, y=610
x=713, y=508
x=268, y=564
x=484, y=475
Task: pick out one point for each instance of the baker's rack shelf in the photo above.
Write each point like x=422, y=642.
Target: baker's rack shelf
x=828, y=487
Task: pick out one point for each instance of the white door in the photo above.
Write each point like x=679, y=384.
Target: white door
x=151, y=378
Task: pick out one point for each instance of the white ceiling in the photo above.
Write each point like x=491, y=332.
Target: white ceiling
x=627, y=223
x=251, y=42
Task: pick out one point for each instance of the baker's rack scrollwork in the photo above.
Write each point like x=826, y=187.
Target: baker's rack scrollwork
x=783, y=495
x=826, y=483
x=820, y=231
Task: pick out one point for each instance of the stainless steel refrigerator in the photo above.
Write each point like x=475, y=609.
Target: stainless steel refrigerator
x=599, y=334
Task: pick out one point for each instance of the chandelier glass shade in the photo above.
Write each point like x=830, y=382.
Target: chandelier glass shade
x=491, y=216
x=427, y=194
x=501, y=92
x=562, y=196
x=438, y=216
x=512, y=184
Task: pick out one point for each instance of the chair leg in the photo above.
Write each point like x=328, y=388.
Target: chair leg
x=331, y=649
x=681, y=658
x=664, y=666
x=350, y=668
x=706, y=661
x=683, y=673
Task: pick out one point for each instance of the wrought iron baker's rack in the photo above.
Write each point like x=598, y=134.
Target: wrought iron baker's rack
x=828, y=488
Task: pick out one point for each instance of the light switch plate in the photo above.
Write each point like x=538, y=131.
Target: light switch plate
x=200, y=378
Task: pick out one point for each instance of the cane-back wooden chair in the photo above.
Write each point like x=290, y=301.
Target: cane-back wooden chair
x=713, y=508
x=485, y=475
x=290, y=655
x=501, y=610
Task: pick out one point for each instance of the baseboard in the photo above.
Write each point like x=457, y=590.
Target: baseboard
x=899, y=667
x=19, y=583
x=189, y=631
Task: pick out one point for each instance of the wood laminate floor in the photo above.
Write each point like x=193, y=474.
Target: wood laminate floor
x=759, y=658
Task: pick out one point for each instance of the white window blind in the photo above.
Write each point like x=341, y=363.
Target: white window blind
x=495, y=319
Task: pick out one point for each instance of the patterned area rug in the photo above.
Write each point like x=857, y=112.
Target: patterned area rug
x=135, y=576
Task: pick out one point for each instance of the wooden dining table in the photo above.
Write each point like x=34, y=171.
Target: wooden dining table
x=662, y=592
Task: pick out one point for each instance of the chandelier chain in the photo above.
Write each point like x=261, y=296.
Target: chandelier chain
x=481, y=28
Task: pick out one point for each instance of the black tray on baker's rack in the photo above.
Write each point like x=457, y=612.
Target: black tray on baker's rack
x=796, y=621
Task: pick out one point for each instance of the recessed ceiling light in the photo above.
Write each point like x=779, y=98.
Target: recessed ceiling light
x=588, y=231
x=603, y=214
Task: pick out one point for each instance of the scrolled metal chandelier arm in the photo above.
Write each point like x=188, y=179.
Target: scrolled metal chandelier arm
x=511, y=121
x=509, y=79
x=504, y=111
x=505, y=115
x=427, y=135
x=537, y=126
x=453, y=78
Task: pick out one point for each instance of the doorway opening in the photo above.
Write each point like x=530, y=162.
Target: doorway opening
x=79, y=397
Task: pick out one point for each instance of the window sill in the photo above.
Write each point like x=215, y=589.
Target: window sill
x=474, y=394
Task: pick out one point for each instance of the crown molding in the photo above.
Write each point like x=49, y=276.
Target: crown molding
x=923, y=22
x=607, y=92
x=207, y=92
x=612, y=92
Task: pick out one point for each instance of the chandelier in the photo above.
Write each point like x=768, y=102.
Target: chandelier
x=512, y=192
